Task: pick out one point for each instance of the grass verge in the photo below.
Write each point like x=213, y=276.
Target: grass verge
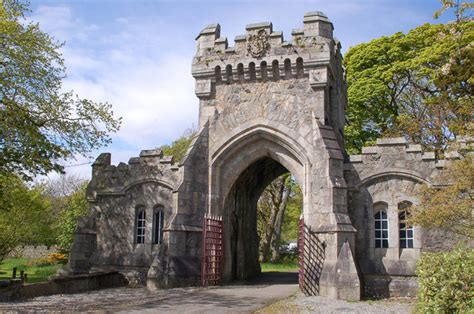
x=38, y=270
x=280, y=267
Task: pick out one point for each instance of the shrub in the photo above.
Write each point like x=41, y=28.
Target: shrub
x=57, y=258
x=446, y=281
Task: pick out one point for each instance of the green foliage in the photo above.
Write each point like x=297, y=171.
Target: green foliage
x=38, y=270
x=417, y=85
x=446, y=282
x=179, y=147
x=39, y=124
x=25, y=215
x=449, y=208
x=292, y=214
x=75, y=205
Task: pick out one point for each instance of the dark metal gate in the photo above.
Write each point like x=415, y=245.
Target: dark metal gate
x=311, y=251
x=301, y=253
x=212, y=254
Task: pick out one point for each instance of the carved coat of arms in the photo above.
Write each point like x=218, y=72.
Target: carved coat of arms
x=257, y=44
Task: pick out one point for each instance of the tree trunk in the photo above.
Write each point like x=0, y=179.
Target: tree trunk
x=276, y=239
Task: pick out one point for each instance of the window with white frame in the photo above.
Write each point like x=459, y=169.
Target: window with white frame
x=381, y=225
x=405, y=230
x=140, y=226
x=158, y=225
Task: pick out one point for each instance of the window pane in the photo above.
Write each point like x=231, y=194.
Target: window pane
x=403, y=244
x=403, y=234
x=410, y=233
x=377, y=233
x=385, y=243
x=410, y=244
x=385, y=224
x=384, y=215
x=385, y=234
x=378, y=243
x=377, y=224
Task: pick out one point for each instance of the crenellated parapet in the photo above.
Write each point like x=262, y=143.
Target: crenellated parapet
x=397, y=157
x=150, y=166
x=263, y=54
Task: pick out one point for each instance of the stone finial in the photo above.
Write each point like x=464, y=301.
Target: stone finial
x=267, y=26
x=207, y=37
x=104, y=159
x=316, y=23
x=158, y=153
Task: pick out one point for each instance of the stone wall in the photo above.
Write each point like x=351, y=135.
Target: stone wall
x=31, y=251
x=16, y=289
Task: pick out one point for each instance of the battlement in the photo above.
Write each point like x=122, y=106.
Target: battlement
x=150, y=166
x=263, y=54
x=400, y=150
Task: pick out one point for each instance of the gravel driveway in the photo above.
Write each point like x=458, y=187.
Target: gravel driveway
x=273, y=293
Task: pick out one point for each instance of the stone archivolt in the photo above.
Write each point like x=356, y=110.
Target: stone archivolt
x=266, y=107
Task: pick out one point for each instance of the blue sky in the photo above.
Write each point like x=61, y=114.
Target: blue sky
x=137, y=54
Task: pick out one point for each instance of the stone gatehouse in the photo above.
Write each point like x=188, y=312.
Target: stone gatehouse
x=266, y=107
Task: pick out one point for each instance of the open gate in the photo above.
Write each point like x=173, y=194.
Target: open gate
x=311, y=255
x=212, y=255
x=301, y=230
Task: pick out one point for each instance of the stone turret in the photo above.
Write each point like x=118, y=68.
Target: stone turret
x=262, y=54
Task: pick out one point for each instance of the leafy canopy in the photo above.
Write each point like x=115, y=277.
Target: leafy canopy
x=26, y=217
x=418, y=85
x=39, y=124
x=449, y=208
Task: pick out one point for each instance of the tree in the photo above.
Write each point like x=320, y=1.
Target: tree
x=25, y=215
x=74, y=206
x=39, y=124
x=418, y=85
x=278, y=210
x=179, y=147
x=449, y=208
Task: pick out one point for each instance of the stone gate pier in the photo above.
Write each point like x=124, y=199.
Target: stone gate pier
x=268, y=105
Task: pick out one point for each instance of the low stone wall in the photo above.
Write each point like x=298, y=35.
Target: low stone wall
x=30, y=251
x=379, y=287
x=62, y=285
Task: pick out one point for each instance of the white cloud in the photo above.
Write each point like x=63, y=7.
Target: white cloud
x=152, y=91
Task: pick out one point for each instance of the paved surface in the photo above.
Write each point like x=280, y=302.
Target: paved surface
x=272, y=293
x=238, y=298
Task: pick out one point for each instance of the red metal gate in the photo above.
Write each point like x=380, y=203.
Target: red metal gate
x=213, y=243
x=301, y=231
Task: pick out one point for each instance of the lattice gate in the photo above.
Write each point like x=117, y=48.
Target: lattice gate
x=301, y=231
x=212, y=255
x=311, y=257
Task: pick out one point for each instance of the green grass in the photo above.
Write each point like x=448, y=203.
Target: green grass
x=280, y=267
x=37, y=272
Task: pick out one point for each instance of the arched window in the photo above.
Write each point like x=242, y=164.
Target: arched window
x=252, y=74
x=158, y=225
x=381, y=225
x=263, y=69
x=405, y=230
x=140, y=226
x=299, y=67
x=287, y=65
